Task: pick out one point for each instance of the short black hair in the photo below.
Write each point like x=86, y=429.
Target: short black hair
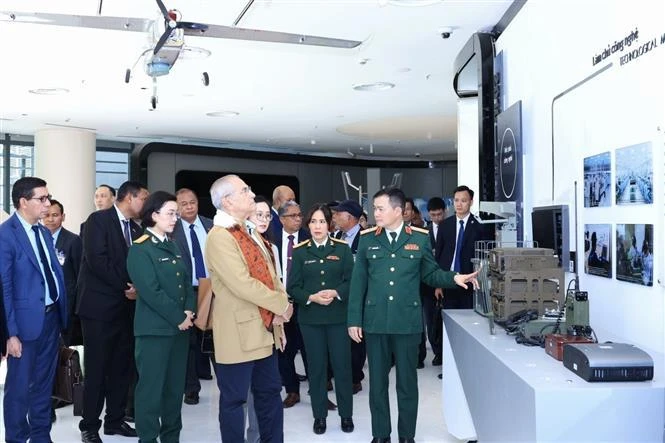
x=262, y=199
x=463, y=188
x=183, y=190
x=24, y=187
x=153, y=204
x=109, y=187
x=55, y=202
x=129, y=187
x=436, y=203
x=323, y=207
x=409, y=200
x=395, y=196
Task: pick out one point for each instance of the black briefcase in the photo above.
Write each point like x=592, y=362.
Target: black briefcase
x=67, y=374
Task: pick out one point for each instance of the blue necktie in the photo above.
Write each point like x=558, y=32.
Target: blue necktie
x=126, y=233
x=48, y=271
x=458, y=247
x=200, y=270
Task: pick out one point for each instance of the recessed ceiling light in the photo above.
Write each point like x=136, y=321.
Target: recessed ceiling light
x=378, y=86
x=49, y=91
x=223, y=114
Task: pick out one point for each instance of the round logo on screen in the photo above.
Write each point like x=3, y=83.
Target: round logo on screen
x=508, y=163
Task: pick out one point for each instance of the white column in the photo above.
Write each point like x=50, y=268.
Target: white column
x=65, y=158
x=468, y=145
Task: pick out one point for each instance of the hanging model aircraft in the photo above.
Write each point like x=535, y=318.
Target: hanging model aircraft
x=168, y=37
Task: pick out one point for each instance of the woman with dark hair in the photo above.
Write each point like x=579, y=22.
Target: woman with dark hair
x=165, y=308
x=319, y=282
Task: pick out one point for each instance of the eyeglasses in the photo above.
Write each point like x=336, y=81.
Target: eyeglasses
x=43, y=198
x=169, y=214
x=298, y=215
x=264, y=216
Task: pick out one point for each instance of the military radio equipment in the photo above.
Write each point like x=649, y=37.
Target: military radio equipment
x=524, y=278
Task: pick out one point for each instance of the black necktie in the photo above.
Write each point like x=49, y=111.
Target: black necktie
x=199, y=267
x=126, y=233
x=458, y=248
x=48, y=271
x=289, y=253
x=393, y=237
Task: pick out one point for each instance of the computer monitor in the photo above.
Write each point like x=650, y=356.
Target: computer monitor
x=550, y=229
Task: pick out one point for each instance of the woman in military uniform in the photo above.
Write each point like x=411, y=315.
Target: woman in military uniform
x=164, y=313
x=319, y=281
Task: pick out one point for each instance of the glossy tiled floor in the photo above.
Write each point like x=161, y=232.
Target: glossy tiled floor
x=200, y=421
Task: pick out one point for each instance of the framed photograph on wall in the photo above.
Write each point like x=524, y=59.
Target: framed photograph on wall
x=598, y=250
x=634, y=175
x=634, y=252
x=598, y=180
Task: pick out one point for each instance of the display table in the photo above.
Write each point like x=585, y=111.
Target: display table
x=497, y=390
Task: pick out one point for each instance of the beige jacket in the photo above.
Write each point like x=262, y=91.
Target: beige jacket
x=238, y=331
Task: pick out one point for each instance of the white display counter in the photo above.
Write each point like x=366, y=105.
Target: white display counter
x=497, y=390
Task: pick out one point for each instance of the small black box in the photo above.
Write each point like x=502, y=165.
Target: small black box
x=608, y=362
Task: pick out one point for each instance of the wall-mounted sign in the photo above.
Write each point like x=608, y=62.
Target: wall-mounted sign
x=508, y=160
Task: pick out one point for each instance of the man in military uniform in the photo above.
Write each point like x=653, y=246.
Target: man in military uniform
x=385, y=308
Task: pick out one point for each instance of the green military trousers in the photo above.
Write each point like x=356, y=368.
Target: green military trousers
x=380, y=351
x=325, y=343
x=161, y=362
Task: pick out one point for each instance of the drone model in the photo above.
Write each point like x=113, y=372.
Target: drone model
x=169, y=38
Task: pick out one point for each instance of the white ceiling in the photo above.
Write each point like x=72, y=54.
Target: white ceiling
x=288, y=98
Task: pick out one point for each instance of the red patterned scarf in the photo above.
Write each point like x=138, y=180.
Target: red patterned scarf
x=258, y=267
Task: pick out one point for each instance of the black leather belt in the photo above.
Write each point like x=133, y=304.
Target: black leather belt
x=51, y=307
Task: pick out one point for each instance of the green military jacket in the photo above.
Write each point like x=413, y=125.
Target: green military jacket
x=163, y=286
x=385, y=287
x=312, y=270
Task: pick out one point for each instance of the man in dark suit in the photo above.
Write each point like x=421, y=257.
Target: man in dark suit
x=436, y=209
x=190, y=234
x=280, y=195
x=456, y=246
x=105, y=306
x=345, y=216
x=35, y=303
x=68, y=249
x=286, y=239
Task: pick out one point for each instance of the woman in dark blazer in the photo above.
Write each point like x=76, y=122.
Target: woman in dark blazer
x=319, y=282
x=164, y=312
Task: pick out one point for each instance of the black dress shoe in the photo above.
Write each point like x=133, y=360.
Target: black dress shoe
x=437, y=361
x=381, y=440
x=124, y=430
x=192, y=398
x=331, y=406
x=440, y=376
x=205, y=377
x=90, y=437
x=421, y=364
x=406, y=440
x=357, y=387
x=319, y=425
x=347, y=425
x=129, y=418
x=301, y=377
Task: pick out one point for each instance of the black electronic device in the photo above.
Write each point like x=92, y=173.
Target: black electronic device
x=608, y=361
x=550, y=229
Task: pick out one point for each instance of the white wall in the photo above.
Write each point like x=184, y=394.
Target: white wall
x=547, y=49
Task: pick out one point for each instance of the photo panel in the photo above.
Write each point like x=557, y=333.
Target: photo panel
x=598, y=250
x=634, y=254
x=634, y=175
x=598, y=180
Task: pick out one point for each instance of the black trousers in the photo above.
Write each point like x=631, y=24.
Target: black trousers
x=286, y=359
x=358, y=357
x=196, y=359
x=429, y=308
x=107, y=360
